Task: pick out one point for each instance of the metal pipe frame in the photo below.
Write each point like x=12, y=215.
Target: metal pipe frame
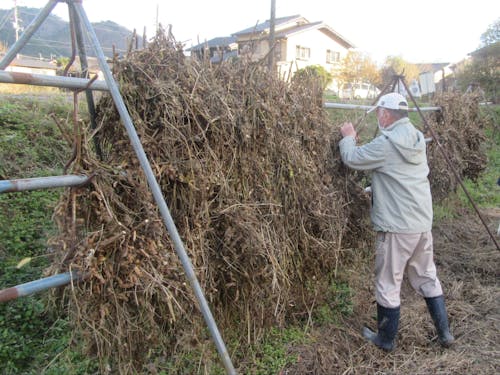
x=157, y=193
x=52, y=81
x=28, y=184
x=368, y=107
x=36, y=286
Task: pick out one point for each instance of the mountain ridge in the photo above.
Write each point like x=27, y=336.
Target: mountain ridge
x=53, y=38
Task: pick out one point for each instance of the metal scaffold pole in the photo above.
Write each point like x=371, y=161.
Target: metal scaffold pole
x=156, y=190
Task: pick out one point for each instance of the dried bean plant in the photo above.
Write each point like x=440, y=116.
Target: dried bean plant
x=257, y=193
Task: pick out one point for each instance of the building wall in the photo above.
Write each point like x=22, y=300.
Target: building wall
x=286, y=58
x=318, y=43
x=438, y=76
x=23, y=69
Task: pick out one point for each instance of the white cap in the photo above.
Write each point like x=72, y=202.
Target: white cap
x=393, y=100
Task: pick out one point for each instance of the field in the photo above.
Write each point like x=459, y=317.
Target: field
x=38, y=337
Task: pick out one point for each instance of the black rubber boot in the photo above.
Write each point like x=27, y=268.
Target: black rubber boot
x=387, y=324
x=437, y=309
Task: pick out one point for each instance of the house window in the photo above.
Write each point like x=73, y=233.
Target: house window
x=332, y=56
x=303, y=53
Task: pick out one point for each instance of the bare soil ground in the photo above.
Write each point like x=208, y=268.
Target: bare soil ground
x=468, y=267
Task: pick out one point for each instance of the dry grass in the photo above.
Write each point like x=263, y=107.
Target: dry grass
x=467, y=266
x=258, y=196
x=22, y=89
x=256, y=188
x=459, y=127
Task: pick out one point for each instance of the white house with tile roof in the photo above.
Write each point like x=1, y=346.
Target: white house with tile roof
x=298, y=44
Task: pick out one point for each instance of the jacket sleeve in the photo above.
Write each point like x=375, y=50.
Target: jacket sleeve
x=367, y=157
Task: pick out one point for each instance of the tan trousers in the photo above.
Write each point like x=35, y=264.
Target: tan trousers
x=394, y=253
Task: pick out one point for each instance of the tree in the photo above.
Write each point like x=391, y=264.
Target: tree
x=483, y=68
x=492, y=34
x=358, y=67
x=316, y=72
x=396, y=65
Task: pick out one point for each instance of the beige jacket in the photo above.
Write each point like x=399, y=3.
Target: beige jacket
x=401, y=194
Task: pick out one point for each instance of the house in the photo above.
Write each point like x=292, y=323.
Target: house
x=298, y=43
x=490, y=51
x=32, y=65
x=435, y=75
x=485, y=65
x=217, y=49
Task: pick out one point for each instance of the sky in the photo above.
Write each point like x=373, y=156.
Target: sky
x=420, y=31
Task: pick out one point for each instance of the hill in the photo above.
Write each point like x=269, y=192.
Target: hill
x=53, y=39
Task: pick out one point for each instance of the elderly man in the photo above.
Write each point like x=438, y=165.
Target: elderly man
x=401, y=215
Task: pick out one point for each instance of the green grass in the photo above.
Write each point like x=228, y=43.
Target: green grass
x=338, y=303
x=272, y=354
x=32, y=339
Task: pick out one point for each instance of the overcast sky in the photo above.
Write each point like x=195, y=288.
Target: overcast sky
x=418, y=31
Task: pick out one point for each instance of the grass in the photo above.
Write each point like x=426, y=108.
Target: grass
x=21, y=89
x=337, y=303
x=269, y=356
x=32, y=339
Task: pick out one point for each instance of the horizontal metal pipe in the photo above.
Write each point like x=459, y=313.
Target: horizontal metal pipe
x=27, y=184
x=38, y=285
x=52, y=81
x=368, y=107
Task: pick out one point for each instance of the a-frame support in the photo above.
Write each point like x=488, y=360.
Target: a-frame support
x=77, y=10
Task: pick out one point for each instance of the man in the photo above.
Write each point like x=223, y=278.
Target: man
x=402, y=216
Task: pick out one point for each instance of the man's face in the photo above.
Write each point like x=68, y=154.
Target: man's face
x=384, y=117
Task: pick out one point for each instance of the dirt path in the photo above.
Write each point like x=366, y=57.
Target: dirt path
x=468, y=266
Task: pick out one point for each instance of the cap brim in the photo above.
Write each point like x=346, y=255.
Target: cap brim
x=372, y=109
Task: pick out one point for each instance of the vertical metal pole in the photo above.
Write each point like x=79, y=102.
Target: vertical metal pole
x=272, y=26
x=155, y=188
x=85, y=69
x=30, y=30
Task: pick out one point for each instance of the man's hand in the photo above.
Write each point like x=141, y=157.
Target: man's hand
x=347, y=130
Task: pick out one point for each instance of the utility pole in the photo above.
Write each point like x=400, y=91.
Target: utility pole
x=272, y=23
x=16, y=21
x=157, y=16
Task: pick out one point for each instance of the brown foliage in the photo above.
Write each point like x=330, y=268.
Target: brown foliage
x=459, y=127
x=257, y=194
